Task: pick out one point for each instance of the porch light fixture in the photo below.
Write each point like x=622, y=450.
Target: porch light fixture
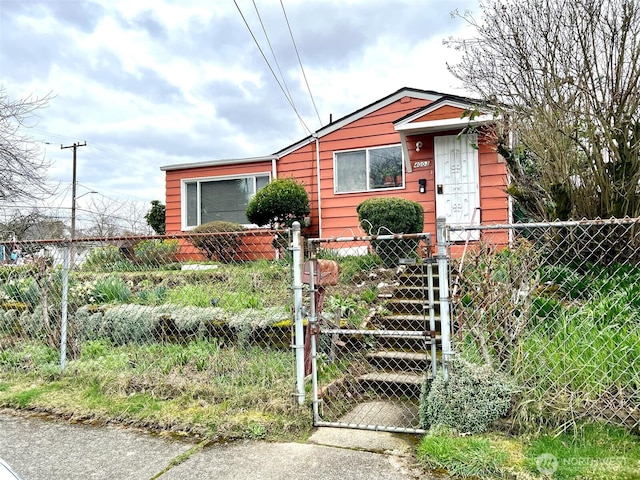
x=422, y=185
x=418, y=146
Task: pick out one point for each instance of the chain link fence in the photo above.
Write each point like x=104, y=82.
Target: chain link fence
x=557, y=307
x=375, y=318
x=205, y=314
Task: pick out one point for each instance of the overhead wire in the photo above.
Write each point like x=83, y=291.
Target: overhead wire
x=302, y=122
x=304, y=75
x=273, y=54
x=100, y=147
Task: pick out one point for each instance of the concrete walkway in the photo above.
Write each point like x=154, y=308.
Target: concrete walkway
x=42, y=449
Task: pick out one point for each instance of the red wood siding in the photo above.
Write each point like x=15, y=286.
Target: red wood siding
x=372, y=130
x=339, y=217
x=445, y=111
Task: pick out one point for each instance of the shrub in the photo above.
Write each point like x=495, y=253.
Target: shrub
x=223, y=242
x=155, y=217
x=469, y=400
x=102, y=258
x=154, y=296
x=110, y=289
x=381, y=216
x=280, y=203
x=130, y=324
x=156, y=252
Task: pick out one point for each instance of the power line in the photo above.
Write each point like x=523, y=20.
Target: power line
x=302, y=122
x=295, y=47
x=273, y=54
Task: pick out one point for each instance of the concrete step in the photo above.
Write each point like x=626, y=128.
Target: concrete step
x=394, y=384
x=405, y=322
x=399, y=360
x=413, y=292
x=393, y=377
x=391, y=342
x=398, y=354
x=413, y=306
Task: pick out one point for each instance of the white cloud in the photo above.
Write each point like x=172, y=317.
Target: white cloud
x=154, y=82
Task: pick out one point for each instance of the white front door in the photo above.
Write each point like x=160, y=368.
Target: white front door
x=457, y=189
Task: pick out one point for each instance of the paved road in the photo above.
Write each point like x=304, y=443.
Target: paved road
x=42, y=449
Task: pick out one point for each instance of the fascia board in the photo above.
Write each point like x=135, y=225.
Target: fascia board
x=216, y=163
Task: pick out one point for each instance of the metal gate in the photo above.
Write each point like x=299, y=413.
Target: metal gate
x=374, y=338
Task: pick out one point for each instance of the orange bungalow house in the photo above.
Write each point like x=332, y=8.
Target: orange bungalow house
x=405, y=145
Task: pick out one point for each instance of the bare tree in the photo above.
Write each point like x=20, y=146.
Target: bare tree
x=22, y=165
x=31, y=225
x=565, y=75
x=108, y=217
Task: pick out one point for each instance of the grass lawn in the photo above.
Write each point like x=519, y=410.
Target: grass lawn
x=596, y=451
x=197, y=389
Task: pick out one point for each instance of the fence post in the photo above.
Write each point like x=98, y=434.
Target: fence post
x=443, y=276
x=297, y=308
x=313, y=324
x=66, y=253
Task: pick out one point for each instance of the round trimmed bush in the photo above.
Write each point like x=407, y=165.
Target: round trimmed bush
x=222, y=244
x=390, y=215
x=280, y=203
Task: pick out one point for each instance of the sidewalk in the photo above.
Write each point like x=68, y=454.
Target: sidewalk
x=40, y=449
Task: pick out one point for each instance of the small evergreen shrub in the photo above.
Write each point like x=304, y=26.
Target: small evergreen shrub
x=469, y=400
x=124, y=324
x=222, y=244
x=280, y=203
x=155, y=253
x=387, y=215
x=130, y=324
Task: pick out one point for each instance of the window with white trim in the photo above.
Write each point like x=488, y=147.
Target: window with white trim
x=368, y=169
x=224, y=198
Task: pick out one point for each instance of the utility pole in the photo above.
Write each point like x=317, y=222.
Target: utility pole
x=73, y=186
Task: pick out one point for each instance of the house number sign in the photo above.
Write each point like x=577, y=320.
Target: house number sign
x=426, y=163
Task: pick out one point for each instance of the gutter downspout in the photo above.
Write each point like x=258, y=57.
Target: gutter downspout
x=315, y=135
x=274, y=170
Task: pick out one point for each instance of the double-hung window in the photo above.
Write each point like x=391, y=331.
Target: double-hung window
x=368, y=169
x=224, y=198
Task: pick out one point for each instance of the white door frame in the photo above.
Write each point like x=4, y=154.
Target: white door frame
x=457, y=181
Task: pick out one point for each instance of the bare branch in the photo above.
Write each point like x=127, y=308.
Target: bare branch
x=567, y=73
x=22, y=164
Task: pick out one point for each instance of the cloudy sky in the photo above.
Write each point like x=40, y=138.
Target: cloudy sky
x=148, y=83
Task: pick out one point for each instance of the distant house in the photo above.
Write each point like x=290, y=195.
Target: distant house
x=407, y=144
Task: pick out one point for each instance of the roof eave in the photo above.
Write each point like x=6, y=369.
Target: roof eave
x=217, y=163
x=416, y=128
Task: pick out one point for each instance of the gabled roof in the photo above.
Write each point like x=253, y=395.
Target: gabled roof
x=415, y=124
x=408, y=123
x=352, y=117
